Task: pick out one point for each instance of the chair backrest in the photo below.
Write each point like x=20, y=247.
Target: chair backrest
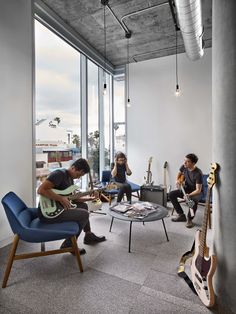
x=204, y=189
x=18, y=214
x=106, y=176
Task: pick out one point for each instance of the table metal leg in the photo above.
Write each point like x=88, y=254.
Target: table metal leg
x=111, y=223
x=42, y=246
x=165, y=229
x=130, y=230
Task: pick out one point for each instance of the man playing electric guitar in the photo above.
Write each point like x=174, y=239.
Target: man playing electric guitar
x=192, y=189
x=61, y=180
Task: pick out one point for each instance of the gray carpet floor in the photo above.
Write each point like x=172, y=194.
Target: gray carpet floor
x=113, y=281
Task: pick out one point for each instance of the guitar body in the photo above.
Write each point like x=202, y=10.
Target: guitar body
x=51, y=208
x=202, y=270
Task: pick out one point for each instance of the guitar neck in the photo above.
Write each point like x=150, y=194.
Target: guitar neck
x=182, y=189
x=204, y=224
x=79, y=194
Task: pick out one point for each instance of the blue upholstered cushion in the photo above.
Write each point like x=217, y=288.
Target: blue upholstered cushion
x=26, y=224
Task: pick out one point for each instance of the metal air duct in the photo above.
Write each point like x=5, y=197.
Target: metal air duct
x=190, y=21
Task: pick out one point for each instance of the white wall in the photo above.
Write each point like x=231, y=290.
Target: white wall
x=16, y=63
x=166, y=127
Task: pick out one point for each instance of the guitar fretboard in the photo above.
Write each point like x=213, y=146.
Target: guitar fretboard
x=204, y=224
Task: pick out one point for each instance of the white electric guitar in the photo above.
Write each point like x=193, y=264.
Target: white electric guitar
x=203, y=267
x=149, y=173
x=52, y=209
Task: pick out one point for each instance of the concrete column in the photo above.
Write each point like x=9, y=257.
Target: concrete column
x=224, y=149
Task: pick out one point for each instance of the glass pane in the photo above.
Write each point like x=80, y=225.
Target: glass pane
x=93, y=119
x=57, y=107
x=119, y=115
x=107, y=99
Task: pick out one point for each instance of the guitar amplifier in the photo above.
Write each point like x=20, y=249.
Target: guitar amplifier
x=153, y=193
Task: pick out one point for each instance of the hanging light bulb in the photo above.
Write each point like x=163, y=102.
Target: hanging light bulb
x=128, y=35
x=128, y=103
x=177, y=89
x=104, y=89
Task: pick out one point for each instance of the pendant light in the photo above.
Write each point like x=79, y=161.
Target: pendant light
x=104, y=3
x=177, y=89
x=127, y=35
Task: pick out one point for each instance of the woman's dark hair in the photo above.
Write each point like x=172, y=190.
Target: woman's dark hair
x=192, y=157
x=81, y=164
x=120, y=155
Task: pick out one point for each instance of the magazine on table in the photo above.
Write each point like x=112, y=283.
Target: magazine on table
x=135, y=210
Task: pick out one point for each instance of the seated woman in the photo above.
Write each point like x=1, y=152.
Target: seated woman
x=119, y=170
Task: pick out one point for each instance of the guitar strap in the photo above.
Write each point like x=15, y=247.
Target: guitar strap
x=181, y=268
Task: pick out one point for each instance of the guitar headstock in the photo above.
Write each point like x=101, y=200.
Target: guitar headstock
x=165, y=164
x=150, y=160
x=211, y=180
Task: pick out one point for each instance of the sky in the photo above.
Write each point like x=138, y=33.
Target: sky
x=57, y=82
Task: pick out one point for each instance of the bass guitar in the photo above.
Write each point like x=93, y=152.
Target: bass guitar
x=203, y=266
x=52, y=209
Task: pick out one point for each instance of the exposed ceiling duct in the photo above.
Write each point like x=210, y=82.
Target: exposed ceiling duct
x=190, y=21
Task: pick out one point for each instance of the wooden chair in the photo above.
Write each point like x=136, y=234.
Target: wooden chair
x=26, y=226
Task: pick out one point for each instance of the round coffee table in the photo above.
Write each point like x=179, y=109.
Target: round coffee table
x=160, y=213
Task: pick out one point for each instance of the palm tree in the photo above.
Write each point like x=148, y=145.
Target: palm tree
x=76, y=140
x=58, y=120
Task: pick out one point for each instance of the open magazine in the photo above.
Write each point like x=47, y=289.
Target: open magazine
x=135, y=210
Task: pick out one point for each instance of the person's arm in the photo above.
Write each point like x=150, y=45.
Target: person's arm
x=197, y=190
x=114, y=170
x=45, y=189
x=128, y=171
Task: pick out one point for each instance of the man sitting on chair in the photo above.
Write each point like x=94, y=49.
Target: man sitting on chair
x=192, y=187
x=60, y=180
x=119, y=171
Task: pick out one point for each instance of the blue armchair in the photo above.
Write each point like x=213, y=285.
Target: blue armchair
x=106, y=178
x=26, y=226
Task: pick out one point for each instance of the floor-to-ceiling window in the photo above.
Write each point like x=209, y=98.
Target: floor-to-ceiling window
x=119, y=124
x=58, y=109
x=93, y=119
x=57, y=102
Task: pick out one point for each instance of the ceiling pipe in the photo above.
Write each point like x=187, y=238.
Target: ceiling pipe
x=190, y=21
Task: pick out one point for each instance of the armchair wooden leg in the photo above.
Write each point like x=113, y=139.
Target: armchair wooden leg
x=77, y=254
x=10, y=260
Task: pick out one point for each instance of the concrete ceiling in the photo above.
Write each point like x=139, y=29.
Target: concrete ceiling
x=153, y=31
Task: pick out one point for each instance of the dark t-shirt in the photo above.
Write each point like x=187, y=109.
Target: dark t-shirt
x=121, y=173
x=191, y=178
x=60, y=179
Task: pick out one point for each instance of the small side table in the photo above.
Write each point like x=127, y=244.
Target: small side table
x=160, y=214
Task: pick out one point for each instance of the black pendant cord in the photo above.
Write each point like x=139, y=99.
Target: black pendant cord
x=128, y=70
x=176, y=61
x=105, y=41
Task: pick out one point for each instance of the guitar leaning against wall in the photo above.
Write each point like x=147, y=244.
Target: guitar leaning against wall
x=148, y=179
x=203, y=266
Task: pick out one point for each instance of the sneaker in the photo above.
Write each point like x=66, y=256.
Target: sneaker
x=180, y=217
x=189, y=224
x=91, y=238
x=67, y=243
